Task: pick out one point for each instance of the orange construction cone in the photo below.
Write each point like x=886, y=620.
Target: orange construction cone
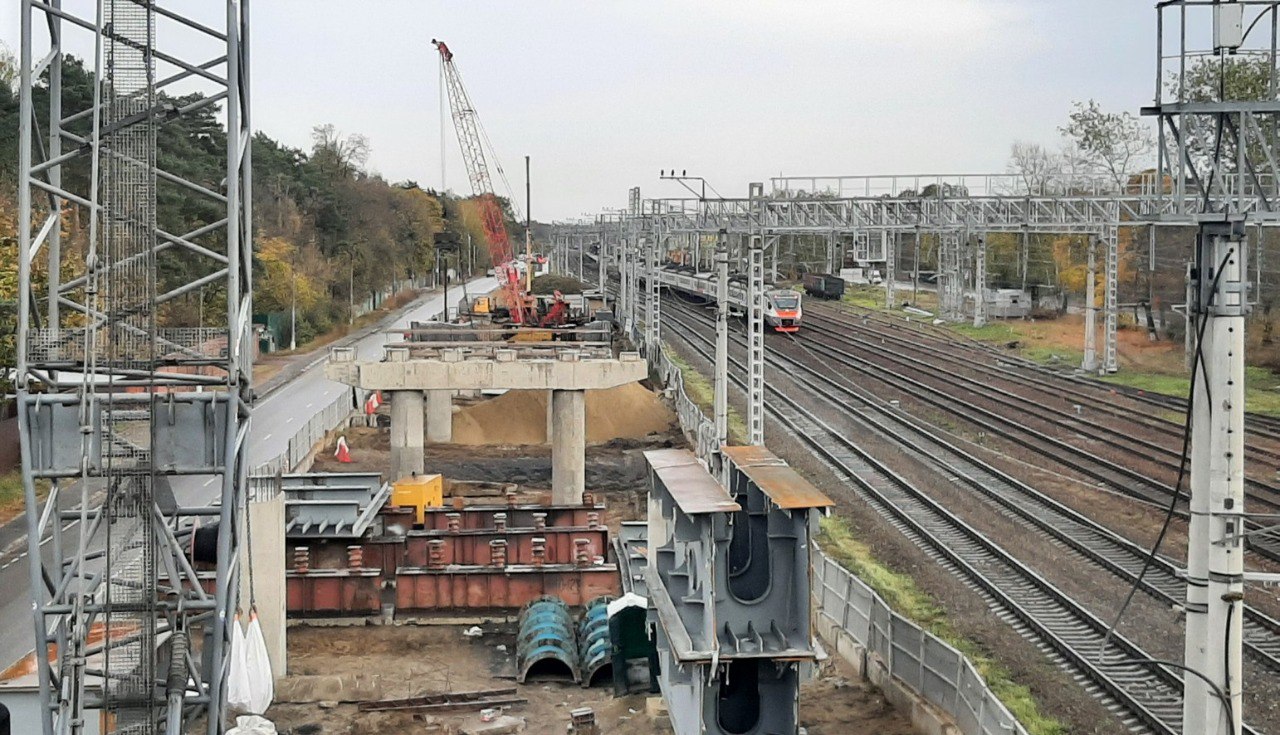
x=343, y=452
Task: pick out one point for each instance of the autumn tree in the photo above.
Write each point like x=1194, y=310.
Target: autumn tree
x=1116, y=143
x=1034, y=165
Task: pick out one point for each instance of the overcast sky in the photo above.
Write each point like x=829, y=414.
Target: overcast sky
x=604, y=93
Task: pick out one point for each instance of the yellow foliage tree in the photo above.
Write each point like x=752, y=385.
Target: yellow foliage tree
x=288, y=272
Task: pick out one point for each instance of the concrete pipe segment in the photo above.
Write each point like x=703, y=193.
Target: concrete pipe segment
x=547, y=645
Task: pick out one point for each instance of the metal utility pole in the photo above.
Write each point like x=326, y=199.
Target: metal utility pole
x=755, y=316
x=915, y=273
x=721, y=383
x=528, y=229
x=980, y=283
x=1110, y=300
x=889, y=244
x=149, y=415
x=1090, y=363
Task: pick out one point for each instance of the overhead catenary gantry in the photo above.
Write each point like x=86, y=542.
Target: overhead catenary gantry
x=123, y=402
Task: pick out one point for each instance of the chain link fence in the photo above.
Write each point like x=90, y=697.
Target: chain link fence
x=913, y=656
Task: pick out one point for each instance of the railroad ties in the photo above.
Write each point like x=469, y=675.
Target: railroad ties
x=1146, y=697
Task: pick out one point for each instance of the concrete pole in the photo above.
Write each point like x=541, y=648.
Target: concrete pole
x=1215, y=551
x=721, y=383
x=439, y=416
x=406, y=433
x=568, y=447
x=1090, y=363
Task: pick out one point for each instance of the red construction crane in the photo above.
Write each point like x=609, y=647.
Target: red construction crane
x=466, y=124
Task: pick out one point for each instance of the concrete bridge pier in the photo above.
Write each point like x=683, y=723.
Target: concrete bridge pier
x=568, y=446
x=406, y=433
x=440, y=416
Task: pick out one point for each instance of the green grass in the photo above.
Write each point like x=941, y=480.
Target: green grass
x=702, y=392
x=868, y=297
x=904, y=596
x=1056, y=356
x=1261, y=387
x=10, y=491
x=12, y=499
x=993, y=332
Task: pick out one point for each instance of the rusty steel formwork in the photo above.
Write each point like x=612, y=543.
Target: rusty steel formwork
x=478, y=588
x=466, y=557
x=551, y=546
x=728, y=579
x=516, y=516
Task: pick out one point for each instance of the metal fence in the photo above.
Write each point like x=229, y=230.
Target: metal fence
x=301, y=443
x=915, y=657
x=699, y=430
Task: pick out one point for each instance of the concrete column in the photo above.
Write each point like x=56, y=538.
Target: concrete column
x=406, y=433
x=439, y=416
x=266, y=520
x=568, y=446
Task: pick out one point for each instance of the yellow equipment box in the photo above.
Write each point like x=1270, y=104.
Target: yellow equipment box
x=418, y=492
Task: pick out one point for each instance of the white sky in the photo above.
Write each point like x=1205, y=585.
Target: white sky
x=604, y=93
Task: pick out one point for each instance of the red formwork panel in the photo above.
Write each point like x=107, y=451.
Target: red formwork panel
x=334, y=592
x=422, y=590
x=376, y=553
x=559, y=544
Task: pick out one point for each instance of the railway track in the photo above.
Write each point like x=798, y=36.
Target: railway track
x=917, y=338
x=1081, y=387
x=1119, y=477
x=1090, y=543
x=1147, y=698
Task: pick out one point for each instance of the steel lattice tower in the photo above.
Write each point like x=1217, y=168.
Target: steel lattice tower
x=123, y=403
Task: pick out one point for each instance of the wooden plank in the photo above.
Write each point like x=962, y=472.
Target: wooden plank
x=442, y=706
x=436, y=699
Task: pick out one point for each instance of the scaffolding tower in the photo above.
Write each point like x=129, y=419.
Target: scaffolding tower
x=123, y=404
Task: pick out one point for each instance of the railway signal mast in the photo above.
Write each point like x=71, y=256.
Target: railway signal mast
x=466, y=124
x=1218, y=170
x=123, y=407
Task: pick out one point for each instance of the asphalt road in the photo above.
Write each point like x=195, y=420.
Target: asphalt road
x=275, y=419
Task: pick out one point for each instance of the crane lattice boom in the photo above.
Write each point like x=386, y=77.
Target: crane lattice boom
x=466, y=126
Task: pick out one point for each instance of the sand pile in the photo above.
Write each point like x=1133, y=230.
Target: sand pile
x=520, y=417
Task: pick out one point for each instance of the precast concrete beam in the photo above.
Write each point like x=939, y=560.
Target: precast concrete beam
x=568, y=446
x=501, y=369
x=439, y=416
x=406, y=433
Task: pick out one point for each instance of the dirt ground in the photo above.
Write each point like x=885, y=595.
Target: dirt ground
x=518, y=417
x=414, y=660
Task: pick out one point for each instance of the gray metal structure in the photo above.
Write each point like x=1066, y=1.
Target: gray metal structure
x=727, y=577
x=119, y=405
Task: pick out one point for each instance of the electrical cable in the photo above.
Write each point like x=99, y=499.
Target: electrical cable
x=1196, y=366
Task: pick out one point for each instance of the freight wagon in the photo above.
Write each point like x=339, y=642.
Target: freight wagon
x=823, y=285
